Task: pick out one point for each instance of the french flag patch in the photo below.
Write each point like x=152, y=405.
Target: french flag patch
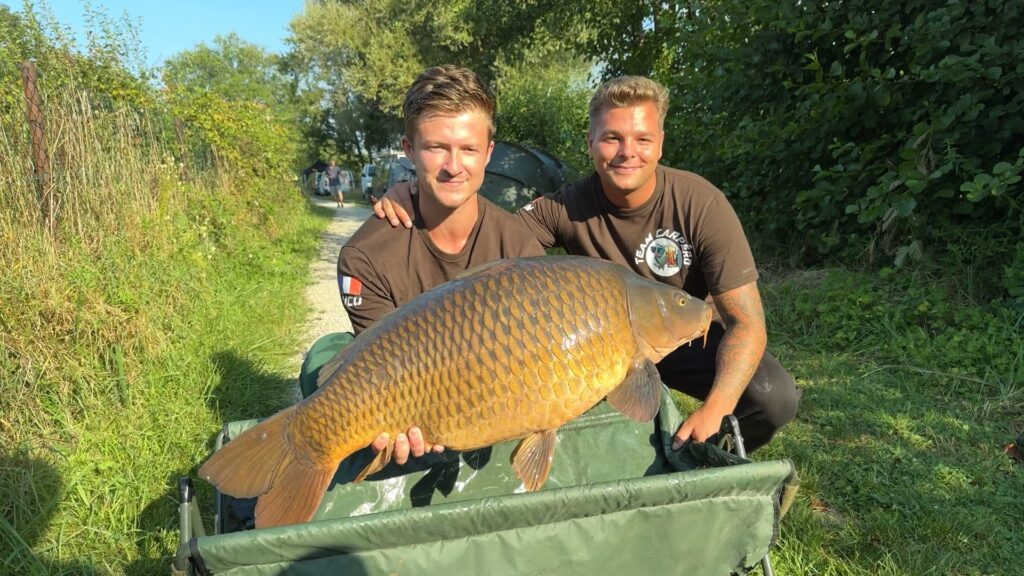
x=350, y=286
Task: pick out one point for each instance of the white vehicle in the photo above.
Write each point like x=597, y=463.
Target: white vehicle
x=346, y=182
x=366, y=180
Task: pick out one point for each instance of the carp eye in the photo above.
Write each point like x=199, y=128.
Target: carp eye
x=681, y=301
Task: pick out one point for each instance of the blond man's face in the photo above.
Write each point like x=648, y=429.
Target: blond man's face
x=626, y=145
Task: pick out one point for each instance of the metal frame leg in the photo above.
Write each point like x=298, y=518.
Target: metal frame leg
x=731, y=426
x=190, y=523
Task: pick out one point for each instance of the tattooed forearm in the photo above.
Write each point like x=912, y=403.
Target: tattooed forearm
x=742, y=346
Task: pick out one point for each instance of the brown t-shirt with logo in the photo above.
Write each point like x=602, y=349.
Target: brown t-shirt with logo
x=381, y=268
x=686, y=235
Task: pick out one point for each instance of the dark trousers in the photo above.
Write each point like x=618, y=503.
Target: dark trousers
x=768, y=403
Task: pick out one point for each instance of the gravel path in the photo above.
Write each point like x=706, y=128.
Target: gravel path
x=326, y=313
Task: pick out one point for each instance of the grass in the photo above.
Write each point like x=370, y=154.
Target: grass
x=162, y=308
x=166, y=307
x=899, y=437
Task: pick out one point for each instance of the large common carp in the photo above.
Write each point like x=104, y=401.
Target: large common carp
x=513, y=349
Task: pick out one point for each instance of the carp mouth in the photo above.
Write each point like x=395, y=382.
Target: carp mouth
x=702, y=330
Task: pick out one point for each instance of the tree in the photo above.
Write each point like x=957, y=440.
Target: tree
x=360, y=57
x=235, y=98
x=233, y=69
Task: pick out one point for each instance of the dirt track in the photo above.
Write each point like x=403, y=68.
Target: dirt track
x=326, y=313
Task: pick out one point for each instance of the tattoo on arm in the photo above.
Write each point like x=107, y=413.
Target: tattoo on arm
x=742, y=345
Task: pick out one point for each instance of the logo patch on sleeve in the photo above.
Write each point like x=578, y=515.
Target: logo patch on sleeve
x=351, y=286
x=351, y=291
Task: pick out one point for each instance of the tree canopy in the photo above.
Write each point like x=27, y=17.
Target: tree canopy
x=855, y=129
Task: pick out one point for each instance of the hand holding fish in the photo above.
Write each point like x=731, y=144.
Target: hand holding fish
x=405, y=444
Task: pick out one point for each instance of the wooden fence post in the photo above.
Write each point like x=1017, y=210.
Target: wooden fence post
x=40, y=157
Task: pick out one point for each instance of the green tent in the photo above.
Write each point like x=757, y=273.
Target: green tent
x=517, y=174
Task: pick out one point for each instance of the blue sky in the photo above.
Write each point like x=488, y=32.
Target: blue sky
x=170, y=26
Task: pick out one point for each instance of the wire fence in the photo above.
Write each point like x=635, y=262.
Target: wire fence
x=40, y=155
x=78, y=162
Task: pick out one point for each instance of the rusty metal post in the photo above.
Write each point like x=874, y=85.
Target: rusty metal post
x=40, y=157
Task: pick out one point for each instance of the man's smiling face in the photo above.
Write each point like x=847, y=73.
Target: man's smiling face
x=625, y=145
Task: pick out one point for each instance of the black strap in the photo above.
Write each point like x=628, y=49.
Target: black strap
x=196, y=558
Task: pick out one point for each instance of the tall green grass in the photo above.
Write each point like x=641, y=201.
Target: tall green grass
x=161, y=308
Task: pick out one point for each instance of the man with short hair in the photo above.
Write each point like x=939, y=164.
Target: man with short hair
x=449, y=131
x=449, y=136
x=333, y=174
x=674, y=227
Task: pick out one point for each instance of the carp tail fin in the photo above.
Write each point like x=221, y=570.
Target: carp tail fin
x=247, y=465
x=294, y=497
x=263, y=462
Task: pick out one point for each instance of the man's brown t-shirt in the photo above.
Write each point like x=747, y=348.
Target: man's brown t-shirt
x=381, y=268
x=686, y=235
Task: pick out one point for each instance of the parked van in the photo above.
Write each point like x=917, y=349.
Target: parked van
x=391, y=171
x=366, y=180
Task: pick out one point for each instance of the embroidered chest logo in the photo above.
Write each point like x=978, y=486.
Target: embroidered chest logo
x=665, y=252
x=351, y=291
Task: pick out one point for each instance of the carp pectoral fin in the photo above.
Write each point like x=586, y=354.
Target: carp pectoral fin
x=639, y=395
x=295, y=496
x=532, y=458
x=378, y=463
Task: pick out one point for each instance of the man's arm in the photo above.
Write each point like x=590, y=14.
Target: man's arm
x=541, y=217
x=364, y=293
x=739, y=353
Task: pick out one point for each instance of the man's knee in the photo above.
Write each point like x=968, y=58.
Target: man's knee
x=774, y=391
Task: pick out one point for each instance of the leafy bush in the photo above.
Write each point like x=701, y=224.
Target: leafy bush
x=866, y=128
x=560, y=125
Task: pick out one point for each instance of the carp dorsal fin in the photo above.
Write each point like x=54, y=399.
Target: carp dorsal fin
x=491, y=267
x=531, y=459
x=324, y=375
x=639, y=394
x=378, y=463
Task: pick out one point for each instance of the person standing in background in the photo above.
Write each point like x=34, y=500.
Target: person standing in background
x=333, y=174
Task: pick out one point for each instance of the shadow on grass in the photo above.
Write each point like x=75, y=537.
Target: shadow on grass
x=30, y=491
x=901, y=474
x=244, y=390
x=247, y=390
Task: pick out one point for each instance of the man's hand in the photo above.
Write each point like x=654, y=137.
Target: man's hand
x=412, y=442
x=701, y=425
x=396, y=204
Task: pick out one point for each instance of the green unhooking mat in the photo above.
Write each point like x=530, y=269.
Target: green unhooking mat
x=618, y=501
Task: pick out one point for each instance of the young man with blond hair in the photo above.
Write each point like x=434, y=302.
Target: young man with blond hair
x=675, y=227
